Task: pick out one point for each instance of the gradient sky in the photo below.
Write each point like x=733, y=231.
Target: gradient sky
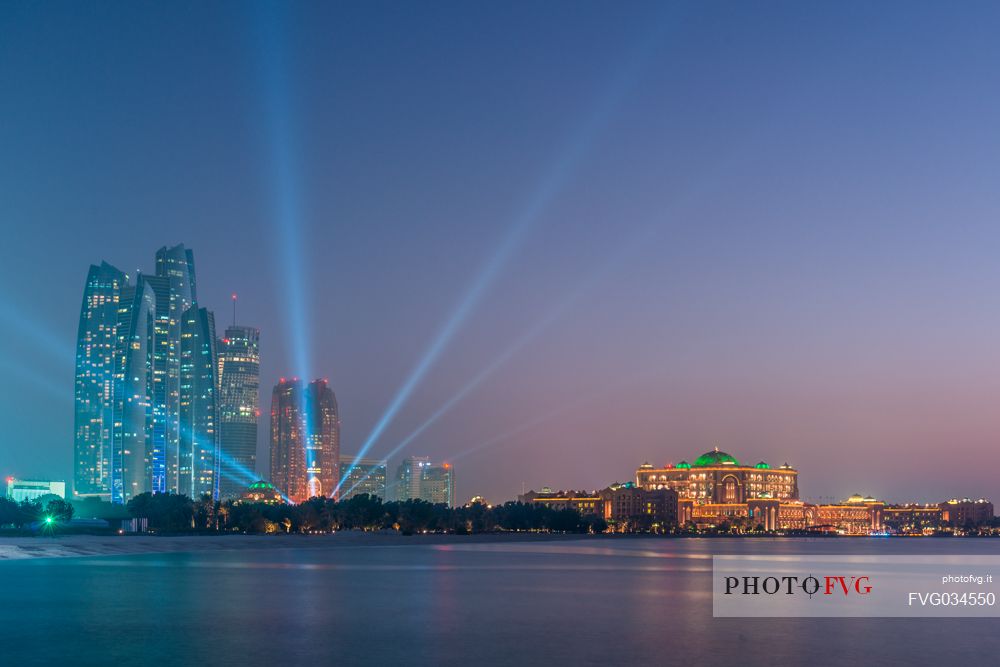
x=770, y=227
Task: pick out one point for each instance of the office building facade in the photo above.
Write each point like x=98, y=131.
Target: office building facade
x=132, y=392
x=322, y=440
x=94, y=381
x=418, y=478
x=305, y=439
x=128, y=426
x=176, y=293
x=239, y=409
x=364, y=476
x=198, y=460
x=20, y=490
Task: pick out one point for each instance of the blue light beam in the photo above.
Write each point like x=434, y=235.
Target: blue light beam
x=285, y=154
x=636, y=241
x=559, y=173
x=37, y=334
x=56, y=391
x=584, y=399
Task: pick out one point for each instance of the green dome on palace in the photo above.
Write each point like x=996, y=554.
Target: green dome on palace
x=684, y=464
x=715, y=458
x=762, y=466
x=261, y=486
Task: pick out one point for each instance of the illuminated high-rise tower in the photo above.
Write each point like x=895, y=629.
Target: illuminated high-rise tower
x=409, y=476
x=305, y=439
x=132, y=392
x=95, y=345
x=418, y=478
x=322, y=440
x=198, y=460
x=128, y=426
x=438, y=485
x=288, y=451
x=364, y=476
x=175, y=289
x=239, y=388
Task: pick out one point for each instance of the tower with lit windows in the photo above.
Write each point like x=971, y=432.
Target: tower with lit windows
x=132, y=392
x=288, y=451
x=305, y=439
x=198, y=458
x=364, y=476
x=96, y=340
x=322, y=440
x=176, y=291
x=419, y=479
x=239, y=389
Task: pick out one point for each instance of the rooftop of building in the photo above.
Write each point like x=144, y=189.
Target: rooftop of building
x=713, y=458
x=716, y=458
x=261, y=485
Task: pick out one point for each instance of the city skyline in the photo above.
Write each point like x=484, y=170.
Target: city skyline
x=551, y=262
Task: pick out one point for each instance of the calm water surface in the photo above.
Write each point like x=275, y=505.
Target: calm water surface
x=568, y=602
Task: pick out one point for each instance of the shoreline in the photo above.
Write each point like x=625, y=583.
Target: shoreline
x=20, y=548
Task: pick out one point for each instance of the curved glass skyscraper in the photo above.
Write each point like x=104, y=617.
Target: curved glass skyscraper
x=198, y=460
x=132, y=395
x=177, y=291
x=94, y=384
x=131, y=384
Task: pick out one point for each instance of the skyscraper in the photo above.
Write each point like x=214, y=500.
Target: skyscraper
x=322, y=440
x=239, y=388
x=132, y=392
x=305, y=439
x=418, y=478
x=128, y=423
x=408, y=477
x=438, y=484
x=365, y=476
x=175, y=293
x=198, y=460
x=288, y=450
x=95, y=346
x=163, y=347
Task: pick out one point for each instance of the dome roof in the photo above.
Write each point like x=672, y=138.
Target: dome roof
x=261, y=485
x=762, y=466
x=715, y=458
x=684, y=464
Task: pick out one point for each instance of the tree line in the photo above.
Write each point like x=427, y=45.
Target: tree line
x=28, y=512
x=173, y=513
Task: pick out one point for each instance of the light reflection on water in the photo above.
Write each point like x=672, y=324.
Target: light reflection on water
x=586, y=602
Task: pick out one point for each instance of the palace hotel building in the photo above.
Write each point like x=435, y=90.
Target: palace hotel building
x=718, y=489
